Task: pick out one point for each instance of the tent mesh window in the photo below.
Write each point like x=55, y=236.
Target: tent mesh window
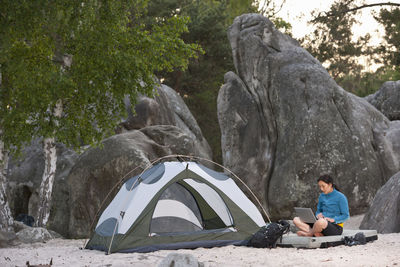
x=176, y=211
x=189, y=206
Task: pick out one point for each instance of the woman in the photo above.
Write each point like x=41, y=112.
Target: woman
x=332, y=211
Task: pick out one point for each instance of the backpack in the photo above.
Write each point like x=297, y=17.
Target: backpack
x=358, y=239
x=269, y=234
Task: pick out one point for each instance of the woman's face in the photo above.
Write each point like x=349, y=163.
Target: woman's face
x=325, y=188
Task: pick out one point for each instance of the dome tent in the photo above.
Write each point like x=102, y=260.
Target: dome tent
x=173, y=205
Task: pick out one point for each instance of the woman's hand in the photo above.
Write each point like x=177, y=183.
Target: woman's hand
x=330, y=219
x=320, y=215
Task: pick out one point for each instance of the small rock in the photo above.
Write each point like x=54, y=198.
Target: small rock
x=34, y=234
x=180, y=260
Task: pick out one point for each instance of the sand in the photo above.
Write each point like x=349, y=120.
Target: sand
x=383, y=252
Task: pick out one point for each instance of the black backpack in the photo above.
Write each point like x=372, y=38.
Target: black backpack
x=269, y=234
x=358, y=239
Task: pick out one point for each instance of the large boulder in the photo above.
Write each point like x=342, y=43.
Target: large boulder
x=25, y=176
x=384, y=214
x=166, y=108
x=94, y=179
x=387, y=99
x=284, y=122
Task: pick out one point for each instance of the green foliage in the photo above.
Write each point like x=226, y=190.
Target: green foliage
x=113, y=54
x=332, y=41
x=282, y=25
x=390, y=19
x=200, y=83
x=333, y=44
x=236, y=8
x=368, y=82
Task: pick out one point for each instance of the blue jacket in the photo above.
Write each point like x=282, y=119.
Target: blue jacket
x=333, y=205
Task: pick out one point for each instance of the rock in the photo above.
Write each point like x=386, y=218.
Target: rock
x=387, y=145
x=25, y=176
x=34, y=234
x=180, y=260
x=147, y=112
x=384, y=215
x=8, y=239
x=122, y=156
x=18, y=226
x=387, y=99
x=284, y=122
x=54, y=234
x=166, y=108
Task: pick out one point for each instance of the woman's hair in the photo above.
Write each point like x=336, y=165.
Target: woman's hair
x=328, y=179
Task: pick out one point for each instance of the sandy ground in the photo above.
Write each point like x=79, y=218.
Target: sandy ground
x=383, y=252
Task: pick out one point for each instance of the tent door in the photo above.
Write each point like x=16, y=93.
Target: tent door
x=189, y=206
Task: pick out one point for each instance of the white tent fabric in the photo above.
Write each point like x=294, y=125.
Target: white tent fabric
x=173, y=208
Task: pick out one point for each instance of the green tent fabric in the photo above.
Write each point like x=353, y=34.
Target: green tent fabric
x=176, y=205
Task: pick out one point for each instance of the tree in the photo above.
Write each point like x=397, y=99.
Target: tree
x=333, y=43
x=66, y=67
x=390, y=19
x=199, y=84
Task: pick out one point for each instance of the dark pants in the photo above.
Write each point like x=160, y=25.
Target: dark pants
x=332, y=229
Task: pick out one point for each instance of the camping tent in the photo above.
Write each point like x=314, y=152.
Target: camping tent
x=176, y=205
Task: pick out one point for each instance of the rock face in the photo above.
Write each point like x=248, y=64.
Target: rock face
x=24, y=178
x=384, y=214
x=167, y=108
x=387, y=99
x=98, y=170
x=284, y=122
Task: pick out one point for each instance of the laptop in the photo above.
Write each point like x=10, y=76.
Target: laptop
x=305, y=214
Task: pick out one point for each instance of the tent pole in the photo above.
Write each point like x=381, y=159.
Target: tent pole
x=112, y=238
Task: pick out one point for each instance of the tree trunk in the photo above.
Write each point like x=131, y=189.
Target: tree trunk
x=46, y=187
x=50, y=161
x=6, y=220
